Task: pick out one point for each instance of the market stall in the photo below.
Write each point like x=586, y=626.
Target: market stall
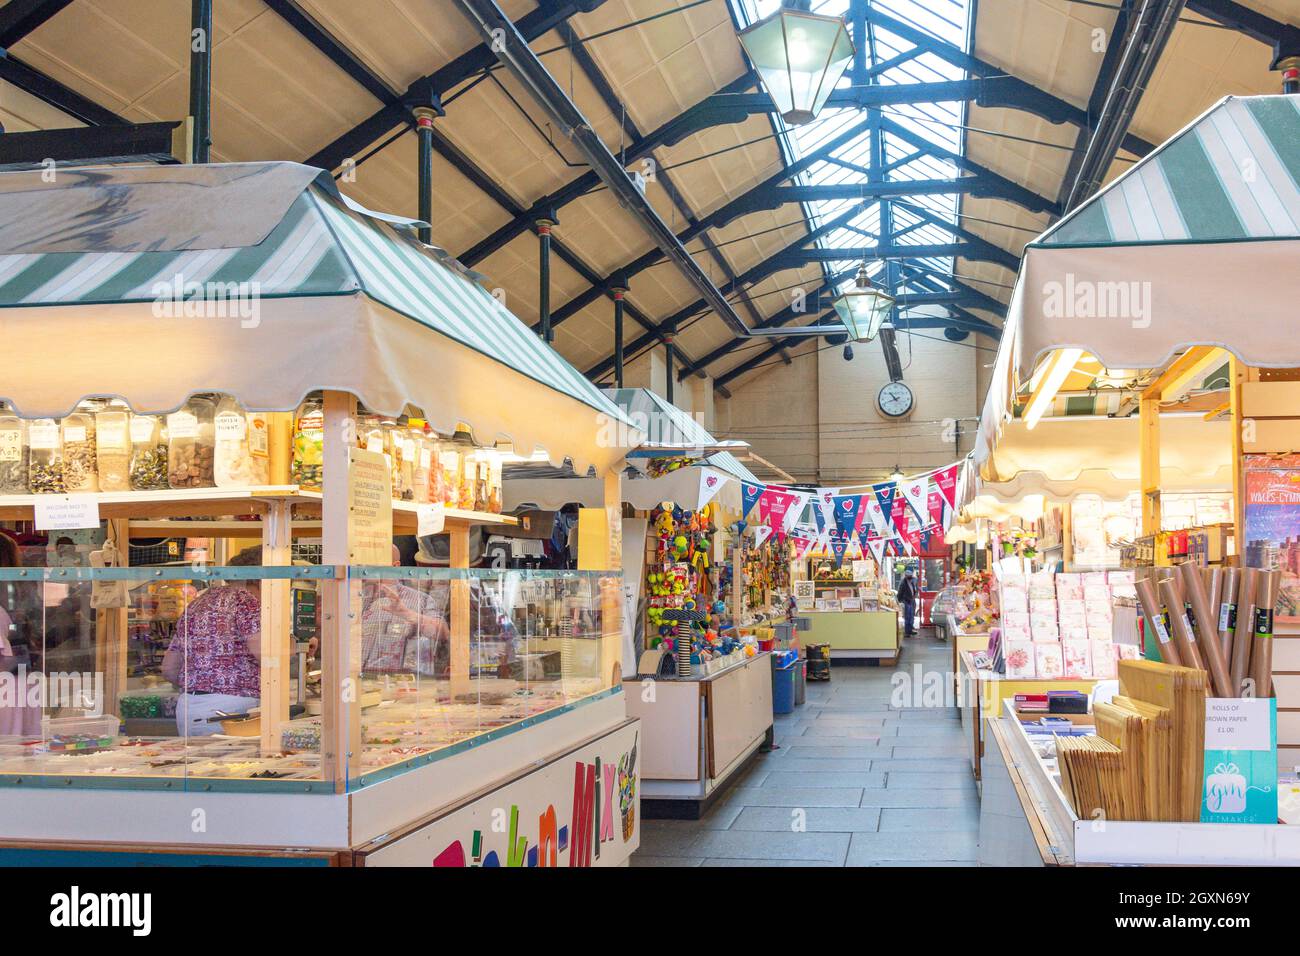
x=850, y=606
x=1212, y=593
x=240, y=352
x=705, y=713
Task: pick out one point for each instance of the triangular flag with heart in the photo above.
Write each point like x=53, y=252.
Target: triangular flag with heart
x=824, y=506
x=761, y=533
x=878, y=518
x=795, y=508
x=937, y=509
x=750, y=492
x=885, y=492
x=945, y=479
x=837, y=549
x=711, y=483
x=915, y=491
x=846, y=512
x=877, y=546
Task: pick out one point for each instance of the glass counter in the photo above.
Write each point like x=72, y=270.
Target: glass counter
x=223, y=678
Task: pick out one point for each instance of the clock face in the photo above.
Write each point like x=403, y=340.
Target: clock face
x=895, y=400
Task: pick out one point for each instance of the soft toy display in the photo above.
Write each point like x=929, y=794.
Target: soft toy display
x=681, y=577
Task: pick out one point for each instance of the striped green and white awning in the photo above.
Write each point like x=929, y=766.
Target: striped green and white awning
x=321, y=245
x=1233, y=174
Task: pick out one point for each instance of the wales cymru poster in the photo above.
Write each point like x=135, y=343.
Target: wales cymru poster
x=1273, y=525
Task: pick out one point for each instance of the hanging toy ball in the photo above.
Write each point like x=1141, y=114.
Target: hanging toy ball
x=719, y=607
x=680, y=544
x=665, y=630
x=690, y=605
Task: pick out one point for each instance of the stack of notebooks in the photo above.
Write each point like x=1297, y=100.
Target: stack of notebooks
x=1147, y=759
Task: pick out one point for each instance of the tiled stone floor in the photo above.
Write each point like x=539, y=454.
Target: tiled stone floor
x=856, y=782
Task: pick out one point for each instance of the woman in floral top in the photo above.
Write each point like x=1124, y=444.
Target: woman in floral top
x=214, y=659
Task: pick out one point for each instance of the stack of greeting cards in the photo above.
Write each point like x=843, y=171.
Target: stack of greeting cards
x=1061, y=626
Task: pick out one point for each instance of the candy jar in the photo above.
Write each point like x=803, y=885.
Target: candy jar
x=148, y=453
x=45, y=457
x=449, y=457
x=78, y=438
x=113, y=447
x=13, y=454
x=258, y=463
x=423, y=464
x=494, y=485
x=191, y=444
x=309, y=445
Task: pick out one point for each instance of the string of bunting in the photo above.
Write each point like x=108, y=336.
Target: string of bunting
x=891, y=517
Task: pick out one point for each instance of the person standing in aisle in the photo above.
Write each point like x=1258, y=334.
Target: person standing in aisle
x=907, y=598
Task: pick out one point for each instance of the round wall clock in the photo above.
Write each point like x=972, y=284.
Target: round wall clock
x=895, y=400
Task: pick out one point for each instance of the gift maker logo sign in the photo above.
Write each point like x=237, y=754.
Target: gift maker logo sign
x=1128, y=300
x=603, y=795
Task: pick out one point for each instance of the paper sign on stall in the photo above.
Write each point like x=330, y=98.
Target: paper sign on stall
x=66, y=512
x=430, y=519
x=370, y=508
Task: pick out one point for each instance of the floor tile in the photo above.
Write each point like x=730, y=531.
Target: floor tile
x=787, y=780
x=814, y=819
x=767, y=845
x=867, y=848
x=929, y=818
x=798, y=797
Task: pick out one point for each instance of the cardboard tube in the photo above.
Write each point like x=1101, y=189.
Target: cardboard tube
x=1240, y=667
x=1207, y=633
x=1267, y=586
x=1179, y=626
x=1231, y=582
x=1212, y=580
x=1155, y=619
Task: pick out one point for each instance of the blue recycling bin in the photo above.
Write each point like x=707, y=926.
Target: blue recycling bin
x=783, y=689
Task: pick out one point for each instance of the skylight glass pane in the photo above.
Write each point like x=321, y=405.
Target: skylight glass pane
x=937, y=123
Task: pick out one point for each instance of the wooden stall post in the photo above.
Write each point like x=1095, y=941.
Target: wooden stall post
x=458, y=533
x=340, y=618
x=276, y=552
x=611, y=590
x=1149, y=461
x=111, y=629
x=1238, y=375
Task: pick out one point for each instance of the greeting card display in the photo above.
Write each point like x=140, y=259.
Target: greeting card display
x=1049, y=661
x=1020, y=660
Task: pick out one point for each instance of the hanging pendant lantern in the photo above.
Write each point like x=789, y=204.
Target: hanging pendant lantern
x=863, y=308
x=799, y=56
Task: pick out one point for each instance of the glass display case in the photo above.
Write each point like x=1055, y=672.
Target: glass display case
x=180, y=678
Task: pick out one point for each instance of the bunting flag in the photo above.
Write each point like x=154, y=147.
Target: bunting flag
x=774, y=507
x=711, y=483
x=878, y=517
x=915, y=491
x=945, y=479
x=802, y=546
x=796, y=507
x=824, y=507
x=750, y=494
x=761, y=533
x=877, y=547
x=899, y=519
x=846, y=512
x=838, y=548
x=885, y=494
x=938, y=510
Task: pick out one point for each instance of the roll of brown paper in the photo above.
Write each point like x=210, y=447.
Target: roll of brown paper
x=1267, y=586
x=1231, y=581
x=1239, y=669
x=1179, y=627
x=1153, y=611
x=1207, y=635
x=1212, y=579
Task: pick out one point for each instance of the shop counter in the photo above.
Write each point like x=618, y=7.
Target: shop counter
x=1026, y=820
x=961, y=643
x=980, y=697
x=869, y=635
x=698, y=732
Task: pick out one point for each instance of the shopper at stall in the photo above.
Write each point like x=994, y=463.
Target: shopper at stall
x=401, y=626
x=215, y=658
x=907, y=599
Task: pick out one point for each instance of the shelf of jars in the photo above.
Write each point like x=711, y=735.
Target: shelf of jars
x=212, y=458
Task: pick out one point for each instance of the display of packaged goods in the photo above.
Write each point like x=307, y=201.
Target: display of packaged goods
x=14, y=454
x=306, y=469
x=242, y=453
x=423, y=460
x=113, y=447
x=148, y=453
x=77, y=438
x=191, y=444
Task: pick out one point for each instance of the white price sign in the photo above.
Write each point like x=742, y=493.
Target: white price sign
x=66, y=512
x=430, y=519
